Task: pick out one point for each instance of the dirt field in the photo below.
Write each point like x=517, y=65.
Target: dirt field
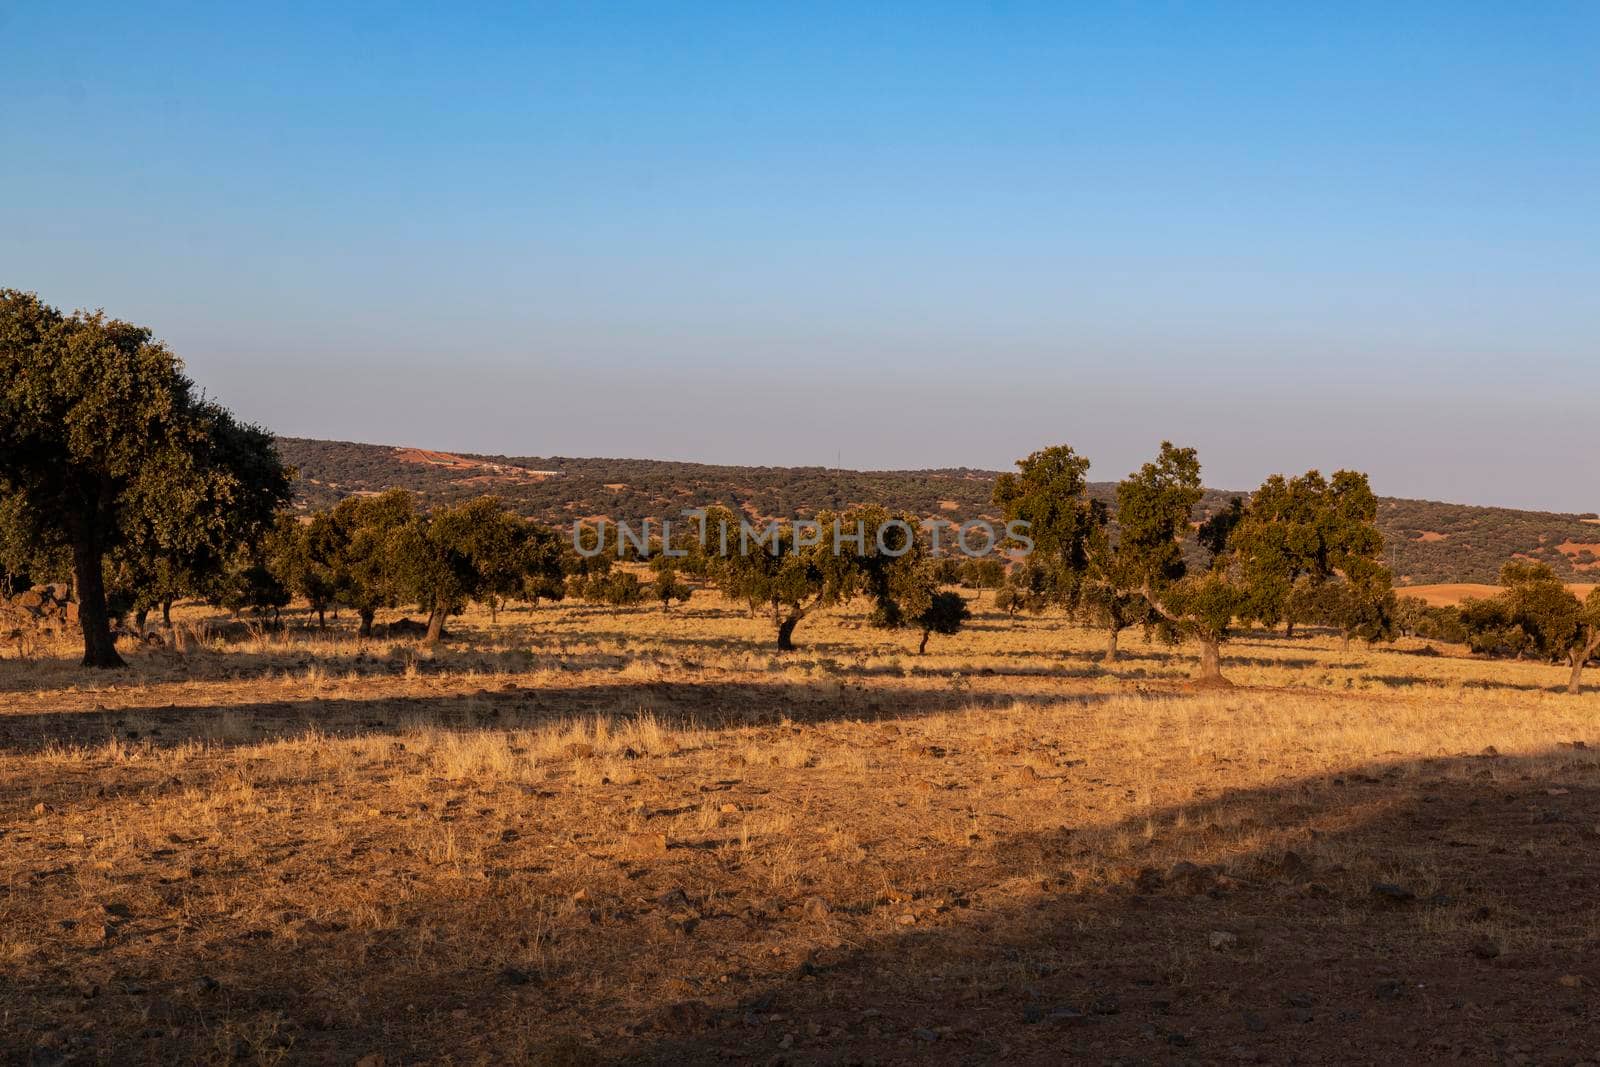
x=1441, y=596
x=591, y=835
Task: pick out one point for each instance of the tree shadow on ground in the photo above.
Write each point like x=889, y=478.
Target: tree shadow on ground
x=1432, y=909
x=674, y=705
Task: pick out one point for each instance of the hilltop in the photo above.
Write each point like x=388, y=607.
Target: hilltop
x=1430, y=542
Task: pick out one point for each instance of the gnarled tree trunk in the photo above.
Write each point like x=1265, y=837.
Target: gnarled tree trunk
x=366, y=615
x=94, y=619
x=786, y=627
x=1113, y=635
x=435, y=625
x=1580, y=656
x=923, y=647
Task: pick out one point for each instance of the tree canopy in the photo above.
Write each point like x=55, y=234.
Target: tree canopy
x=108, y=449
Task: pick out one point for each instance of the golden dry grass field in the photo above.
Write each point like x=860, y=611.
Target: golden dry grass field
x=589, y=835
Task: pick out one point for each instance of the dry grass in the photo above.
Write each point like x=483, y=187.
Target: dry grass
x=589, y=834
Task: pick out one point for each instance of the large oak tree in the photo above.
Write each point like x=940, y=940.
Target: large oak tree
x=108, y=447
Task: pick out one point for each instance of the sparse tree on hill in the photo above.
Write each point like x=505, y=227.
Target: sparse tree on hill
x=1555, y=624
x=945, y=613
x=545, y=567
x=1153, y=516
x=1049, y=492
x=667, y=586
x=103, y=438
x=367, y=576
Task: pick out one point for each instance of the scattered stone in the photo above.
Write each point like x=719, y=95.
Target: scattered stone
x=1068, y=1017
x=1484, y=947
x=907, y=919
x=816, y=908
x=515, y=976
x=646, y=845
x=1390, y=893
x=922, y=1033
x=1570, y=981
x=206, y=984
x=686, y=1017
x=1254, y=1023
x=1222, y=940
x=1148, y=880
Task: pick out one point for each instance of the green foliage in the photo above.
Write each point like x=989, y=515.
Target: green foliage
x=668, y=587
x=945, y=613
x=616, y=587
x=1049, y=493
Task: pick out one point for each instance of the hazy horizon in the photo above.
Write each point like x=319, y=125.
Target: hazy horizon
x=897, y=238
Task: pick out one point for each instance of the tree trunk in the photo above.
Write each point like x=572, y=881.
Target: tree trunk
x=1113, y=634
x=166, y=614
x=139, y=618
x=923, y=647
x=1344, y=643
x=1211, y=662
x=366, y=615
x=494, y=609
x=322, y=616
x=1288, y=629
x=786, y=627
x=435, y=626
x=99, y=650
x=1579, y=656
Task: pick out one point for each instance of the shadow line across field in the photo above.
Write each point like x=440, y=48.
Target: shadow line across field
x=673, y=704
x=1026, y=948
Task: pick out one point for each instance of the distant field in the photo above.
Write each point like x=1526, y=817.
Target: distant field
x=1447, y=594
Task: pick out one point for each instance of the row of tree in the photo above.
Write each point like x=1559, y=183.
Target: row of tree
x=113, y=469
x=1299, y=549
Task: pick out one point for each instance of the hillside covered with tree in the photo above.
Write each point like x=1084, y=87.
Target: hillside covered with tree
x=1425, y=541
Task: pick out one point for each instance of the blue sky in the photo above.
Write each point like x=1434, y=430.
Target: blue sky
x=897, y=235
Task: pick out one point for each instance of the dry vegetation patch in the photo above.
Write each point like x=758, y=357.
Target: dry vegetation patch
x=595, y=834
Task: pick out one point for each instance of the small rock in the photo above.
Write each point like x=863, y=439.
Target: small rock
x=647, y=844
x=206, y=984
x=922, y=1033
x=515, y=976
x=1254, y=1023
x=1484, y=947
x=1390, y=893
x=816, y=908
x=907, y=919
x=1222, y=940
x=1570, y=981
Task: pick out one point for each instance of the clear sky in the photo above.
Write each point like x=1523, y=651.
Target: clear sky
x=892, y=235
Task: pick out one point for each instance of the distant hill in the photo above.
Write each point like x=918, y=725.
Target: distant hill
x=1428, y=542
